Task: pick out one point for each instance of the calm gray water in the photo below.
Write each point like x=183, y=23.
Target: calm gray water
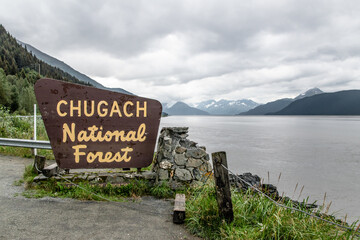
x=320, y=153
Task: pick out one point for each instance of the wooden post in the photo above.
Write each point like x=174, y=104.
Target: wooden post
x=179, y=208
x=222, y=186
x=39, y=164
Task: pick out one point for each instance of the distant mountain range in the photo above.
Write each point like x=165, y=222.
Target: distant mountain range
x=275, y=106
x=235, y=107
x=66, y=68
x=226, y=107
x=337, y=103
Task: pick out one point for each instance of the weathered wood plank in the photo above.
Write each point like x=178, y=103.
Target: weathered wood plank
x=222, y=186
x=39, y=164
x=179, y=209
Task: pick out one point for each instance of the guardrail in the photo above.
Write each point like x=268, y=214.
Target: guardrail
x=13, y=142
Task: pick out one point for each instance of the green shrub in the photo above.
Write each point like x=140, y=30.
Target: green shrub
x=162, y=190
x=12, y=126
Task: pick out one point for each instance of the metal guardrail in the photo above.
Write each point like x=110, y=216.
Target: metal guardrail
x=25, y=143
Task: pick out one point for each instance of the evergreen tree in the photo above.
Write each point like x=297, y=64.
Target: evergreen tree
x=19, y=72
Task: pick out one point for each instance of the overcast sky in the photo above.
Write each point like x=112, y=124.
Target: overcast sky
x=198, y=50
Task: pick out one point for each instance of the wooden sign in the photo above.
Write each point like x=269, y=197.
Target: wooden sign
x=95, y=128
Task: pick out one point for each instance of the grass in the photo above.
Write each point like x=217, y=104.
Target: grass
x=55, y=188
x=88, y=191
x=255, y=217
x=12, y=126
x=29, y=174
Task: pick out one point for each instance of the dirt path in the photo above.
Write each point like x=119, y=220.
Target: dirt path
x=52, y=218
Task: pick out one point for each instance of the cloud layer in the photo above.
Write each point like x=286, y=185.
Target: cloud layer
x=198, y=50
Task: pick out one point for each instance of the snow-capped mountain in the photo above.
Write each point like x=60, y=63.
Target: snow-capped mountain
x=309, y=93
x=226, y=107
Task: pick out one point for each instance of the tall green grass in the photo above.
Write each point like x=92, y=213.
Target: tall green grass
x=255, y=217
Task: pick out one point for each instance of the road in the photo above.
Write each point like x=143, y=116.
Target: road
x=52, y=218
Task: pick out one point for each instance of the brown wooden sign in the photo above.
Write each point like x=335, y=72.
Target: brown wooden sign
x=94, y=128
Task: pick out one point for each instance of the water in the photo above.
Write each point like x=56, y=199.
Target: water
x=320, y=153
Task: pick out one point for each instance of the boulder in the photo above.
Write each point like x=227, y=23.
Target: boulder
x=183, y=174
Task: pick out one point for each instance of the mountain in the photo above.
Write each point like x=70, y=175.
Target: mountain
x=66, y=68
x=181, y=108
x=337, y=103
x=309, y=93
x=269, y=107
x=275, y=106
x=226, y=107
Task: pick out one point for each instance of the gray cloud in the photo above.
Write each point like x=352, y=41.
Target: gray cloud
x=198, y=50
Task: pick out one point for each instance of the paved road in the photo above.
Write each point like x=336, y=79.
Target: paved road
x=51, y=218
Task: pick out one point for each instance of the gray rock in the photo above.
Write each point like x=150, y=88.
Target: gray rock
x=167, y=147
x=196, y=174
x=149, y=175
x=191, y=172
x=179, y=130
x=167, y=140
x=180, y=149
x=182, y=136
x=130, y=175
x=196, y=153
x=175, y=143
x=194, y=163
x=91, y=177
x=203, y=148
x=187, y=143
x=183, y=174
x=40, y=178
x=180, y=159
x=167, y=154
x=165, y=164
x=163, y=174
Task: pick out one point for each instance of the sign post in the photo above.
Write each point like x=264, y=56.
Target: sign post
x=95, y=128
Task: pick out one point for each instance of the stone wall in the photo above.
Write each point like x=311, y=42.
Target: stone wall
x=179, y=159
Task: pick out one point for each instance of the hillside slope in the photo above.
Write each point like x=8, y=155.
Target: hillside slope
x=181, y=108
x=269, y=107
x=66, y=68
x=337, y=103
x=275, y=106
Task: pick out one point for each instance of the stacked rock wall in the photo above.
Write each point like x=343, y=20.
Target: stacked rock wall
x=179, y=159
